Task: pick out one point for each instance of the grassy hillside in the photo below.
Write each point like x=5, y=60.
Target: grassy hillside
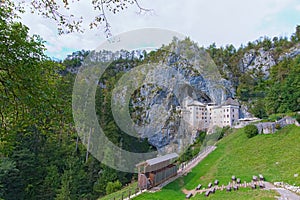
x=118, y=195
x=275, y=156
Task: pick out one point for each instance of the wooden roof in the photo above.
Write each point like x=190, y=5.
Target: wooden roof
x=160, y=159
x=158, y=162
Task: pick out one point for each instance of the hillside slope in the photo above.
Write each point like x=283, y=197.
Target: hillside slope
x=275, y=156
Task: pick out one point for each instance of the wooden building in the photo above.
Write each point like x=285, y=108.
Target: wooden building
x=155, y=171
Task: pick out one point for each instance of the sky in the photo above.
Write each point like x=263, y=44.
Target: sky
x=205, y=22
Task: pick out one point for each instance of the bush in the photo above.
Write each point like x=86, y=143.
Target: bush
x=251, y=130
x=113, y=187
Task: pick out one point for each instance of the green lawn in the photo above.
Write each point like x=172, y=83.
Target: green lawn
x=276, y=156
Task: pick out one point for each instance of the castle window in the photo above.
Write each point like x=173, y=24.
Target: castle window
x=227, y=115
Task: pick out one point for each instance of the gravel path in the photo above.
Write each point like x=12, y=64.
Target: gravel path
x=285, y=194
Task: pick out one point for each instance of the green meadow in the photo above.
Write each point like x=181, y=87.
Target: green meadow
x=276, y=156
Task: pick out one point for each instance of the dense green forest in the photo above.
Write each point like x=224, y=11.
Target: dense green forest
x=41, y=156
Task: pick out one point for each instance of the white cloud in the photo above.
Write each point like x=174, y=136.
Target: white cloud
x=223, y=22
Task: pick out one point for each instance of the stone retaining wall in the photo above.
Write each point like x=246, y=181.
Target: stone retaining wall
x=270, y=127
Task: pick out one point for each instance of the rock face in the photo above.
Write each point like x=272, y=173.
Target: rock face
x=104, y=56
x=184, y=70
x=200, y=80
x=292, y=53
x=189, y=71
x=262, y=60
x=257, y=61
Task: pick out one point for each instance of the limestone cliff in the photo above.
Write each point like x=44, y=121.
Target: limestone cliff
x=183, y=69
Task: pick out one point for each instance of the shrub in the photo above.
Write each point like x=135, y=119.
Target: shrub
x=113, y=187
x=251, y=130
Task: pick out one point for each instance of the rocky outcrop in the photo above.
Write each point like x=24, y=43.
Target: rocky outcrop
x=257, y=61
x=261, y=60
x=186, y=70
x=292, y=53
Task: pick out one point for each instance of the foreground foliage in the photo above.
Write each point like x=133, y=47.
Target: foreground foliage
x=41, y=156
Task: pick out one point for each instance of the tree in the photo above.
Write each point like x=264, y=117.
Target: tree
x=65, y=190
x=60, y=12
x=107, y=175
x=29, y=87
x=33, y=113
x=10, y=180
x=258, y=109
x=298, y=32
x=284, y=87
x=251, y=130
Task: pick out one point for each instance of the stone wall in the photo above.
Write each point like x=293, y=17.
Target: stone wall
x=270, y=127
